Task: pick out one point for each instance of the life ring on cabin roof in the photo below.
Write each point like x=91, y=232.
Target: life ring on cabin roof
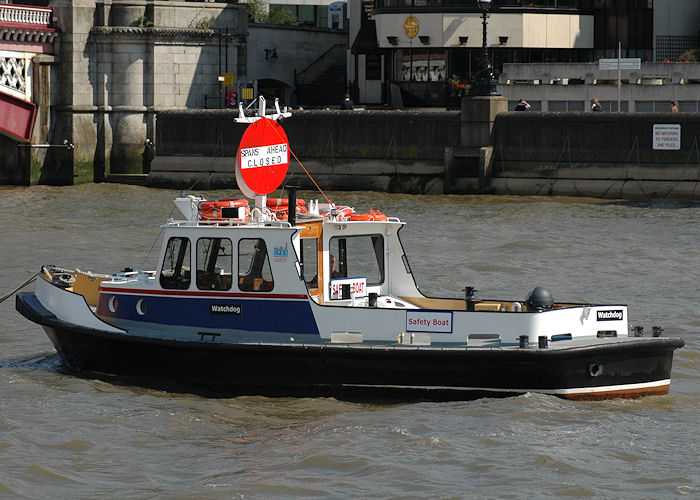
x=360, y=217
x=283, y=202
x=377, y=215
x=208, y=205
x=214, y=209
x=340, y=211
x=283, y=208
x=373, y=215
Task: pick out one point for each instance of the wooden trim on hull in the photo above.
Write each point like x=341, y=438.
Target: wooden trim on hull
x=652, y=389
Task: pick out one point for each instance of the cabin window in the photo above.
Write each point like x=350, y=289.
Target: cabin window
x=254, y=273
x=175, y=272
x=214, y=263
x=309, y=259
x=358, y=256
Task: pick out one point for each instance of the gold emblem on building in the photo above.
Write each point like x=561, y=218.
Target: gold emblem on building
x=410, y=27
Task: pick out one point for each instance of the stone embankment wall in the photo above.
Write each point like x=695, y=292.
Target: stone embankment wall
x=396, y=151
x=607, y=155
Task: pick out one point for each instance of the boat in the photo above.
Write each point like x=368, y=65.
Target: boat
x=287, y=297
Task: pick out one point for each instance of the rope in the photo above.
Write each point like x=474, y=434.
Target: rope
x=143, y=264
x=392, y=146
x=303, y=167
x=220, y=140
x=310, y=177
x=330, y=145
x=503, y=166
x=5, y=297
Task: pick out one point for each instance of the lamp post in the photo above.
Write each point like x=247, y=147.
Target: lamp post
x=484, y=82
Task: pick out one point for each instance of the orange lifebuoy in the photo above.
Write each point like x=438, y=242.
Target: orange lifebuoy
x=282, y=202
x=341, y=211
x=213, y=209
x=208, y=205
x=360, y=217
x=377, y=215
x=373, y=215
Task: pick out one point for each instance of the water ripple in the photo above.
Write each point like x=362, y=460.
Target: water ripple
x=69, y=437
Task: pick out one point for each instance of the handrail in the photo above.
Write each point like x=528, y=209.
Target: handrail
x=319, y=58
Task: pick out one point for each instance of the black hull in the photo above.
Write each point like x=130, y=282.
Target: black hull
x=620, y=369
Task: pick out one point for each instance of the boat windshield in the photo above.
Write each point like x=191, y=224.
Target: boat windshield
x=358, y=256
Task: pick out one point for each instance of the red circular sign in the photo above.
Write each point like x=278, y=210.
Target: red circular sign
x=263, y=157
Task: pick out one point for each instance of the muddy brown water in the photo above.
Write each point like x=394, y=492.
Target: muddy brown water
x=68, y=437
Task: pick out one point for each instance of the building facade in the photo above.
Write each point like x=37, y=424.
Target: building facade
x=404, y=50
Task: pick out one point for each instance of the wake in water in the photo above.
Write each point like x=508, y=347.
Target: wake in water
x=49, y=361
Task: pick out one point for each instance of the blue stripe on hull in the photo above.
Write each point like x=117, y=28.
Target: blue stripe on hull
x=267, y=315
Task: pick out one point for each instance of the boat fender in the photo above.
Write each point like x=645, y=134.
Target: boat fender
x=516, y=307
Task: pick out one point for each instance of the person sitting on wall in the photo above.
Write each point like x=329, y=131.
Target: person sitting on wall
x=595, y=105
x=522, y=105
x=674, y=107
x=347, y=103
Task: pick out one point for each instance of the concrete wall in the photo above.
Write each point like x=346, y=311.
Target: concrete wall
x=652, y=83
x=381, y=150
x=608, y=155
x=523, y=30
x=402, y=135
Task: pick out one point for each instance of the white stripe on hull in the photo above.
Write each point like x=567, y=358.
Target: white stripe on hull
x=563, y=392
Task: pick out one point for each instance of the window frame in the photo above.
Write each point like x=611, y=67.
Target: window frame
x=379, y=253
x=204, y=269
x=171, y=283
x=248, y=282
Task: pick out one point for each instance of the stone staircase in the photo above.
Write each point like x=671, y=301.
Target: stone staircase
x=327, y=90
x=324, y=82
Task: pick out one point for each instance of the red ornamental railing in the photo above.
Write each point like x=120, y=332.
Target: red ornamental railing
x=27, y=25
x=25, y=16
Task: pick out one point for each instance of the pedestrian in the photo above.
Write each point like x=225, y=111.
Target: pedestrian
x=595, y=105
x=522, y=105
x=674, y=107
x=347, y=103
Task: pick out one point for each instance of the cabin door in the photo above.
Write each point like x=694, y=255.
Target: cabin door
x=311, y=258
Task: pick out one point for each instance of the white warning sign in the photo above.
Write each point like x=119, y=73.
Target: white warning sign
x=667, y=136
x=264, y=156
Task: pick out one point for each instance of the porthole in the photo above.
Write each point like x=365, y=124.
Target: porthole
x=141, y=307
x=595, y=369
x=113, y=303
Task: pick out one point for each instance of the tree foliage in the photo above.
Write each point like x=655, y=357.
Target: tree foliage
x=258, y=13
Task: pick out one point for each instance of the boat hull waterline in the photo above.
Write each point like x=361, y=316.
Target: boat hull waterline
x=619, y=368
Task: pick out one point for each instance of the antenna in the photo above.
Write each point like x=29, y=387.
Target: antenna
x=278, y=115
